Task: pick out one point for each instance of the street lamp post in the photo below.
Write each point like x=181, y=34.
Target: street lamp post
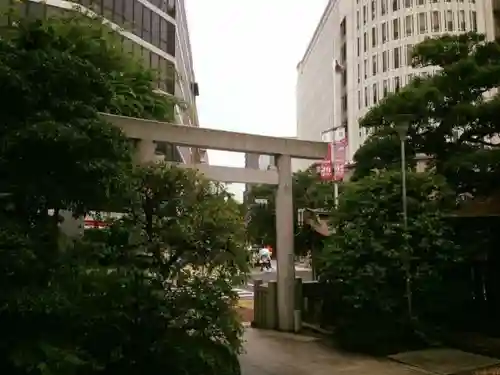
x=402, y=129
x=338, y=70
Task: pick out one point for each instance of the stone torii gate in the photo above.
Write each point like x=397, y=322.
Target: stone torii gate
x=147, y=132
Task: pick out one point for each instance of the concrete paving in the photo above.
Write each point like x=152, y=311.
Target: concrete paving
x=274, y=353
x=445, y=361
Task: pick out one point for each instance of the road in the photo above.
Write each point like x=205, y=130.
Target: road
x=245, y=292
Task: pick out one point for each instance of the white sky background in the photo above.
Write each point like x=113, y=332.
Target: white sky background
x=245, y=56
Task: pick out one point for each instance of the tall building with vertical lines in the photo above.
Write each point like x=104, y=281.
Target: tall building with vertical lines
x=372, y=40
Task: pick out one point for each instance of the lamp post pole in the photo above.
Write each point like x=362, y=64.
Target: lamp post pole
x=402, y=129
x=337, y=69
x=403, y=181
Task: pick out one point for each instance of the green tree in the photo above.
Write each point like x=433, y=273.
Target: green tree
x=452, y=120
x=184, y=237
x=381, y=151
x=261, y=217
x=208, y=229
x=112, y=302
x=364, y=262
x=308, y=192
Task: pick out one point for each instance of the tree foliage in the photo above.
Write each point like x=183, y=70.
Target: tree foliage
x=308, y=192
x=381, y=151
x=152, y=293
x=364, y=262
x=196, y=219
x=184, y=238
x=453, y=112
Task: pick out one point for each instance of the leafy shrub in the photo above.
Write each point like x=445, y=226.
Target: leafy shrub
x=364, y=262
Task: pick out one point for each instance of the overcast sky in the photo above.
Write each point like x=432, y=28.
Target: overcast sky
x=245, y=55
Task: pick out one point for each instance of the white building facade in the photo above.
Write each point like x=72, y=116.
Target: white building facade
x=371, y=40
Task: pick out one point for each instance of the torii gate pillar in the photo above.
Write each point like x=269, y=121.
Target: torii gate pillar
x=284, y=245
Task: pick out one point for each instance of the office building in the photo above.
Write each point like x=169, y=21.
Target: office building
x=155, y=31
x=360, y=52
x=251, y=162
x=256, y=161
x=267, y=162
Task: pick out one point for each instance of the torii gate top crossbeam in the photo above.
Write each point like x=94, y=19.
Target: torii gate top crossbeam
x=217, y=139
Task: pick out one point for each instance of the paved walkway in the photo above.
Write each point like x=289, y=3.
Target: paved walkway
x=274, y=353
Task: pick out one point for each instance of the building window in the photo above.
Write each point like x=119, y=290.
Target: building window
x=365, y=15
x=155, y=66
x=137, y=21
x=365, y=42
x=343, y=28
x=340, y=134
x=168, y=76
x=343, y=53
x=106, y=8
x=360, y=100
x=385, y=32
x=366, y=97
x=473, y=20
x=385, y=87
x=409, y=25
x=163, y=34
x=359, y=73
x=449, y=20
x=461, y=20
x=358, y=20
x=385, y=61
x=374, y=64
x=408, y=3
x=397, y=58
x=155, y=29
x=375, y=93
x=422, y=23
x=383, y=7
x=409, y=54
x=397, y=84
x=395, y=5
x=119, y=11
x=366, y=68
x=146, y=24
x=395, y=28
x=169, y=7
x=374, y=36
x=374, y=9
x=436, y=21
x=358, y=47
x=128, y=12
x=343, y=103
x=170, y=38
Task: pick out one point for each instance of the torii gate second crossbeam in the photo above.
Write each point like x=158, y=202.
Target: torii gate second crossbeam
x=147, y=132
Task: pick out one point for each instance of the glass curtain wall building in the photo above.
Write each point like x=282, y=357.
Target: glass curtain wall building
x=154, y=31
